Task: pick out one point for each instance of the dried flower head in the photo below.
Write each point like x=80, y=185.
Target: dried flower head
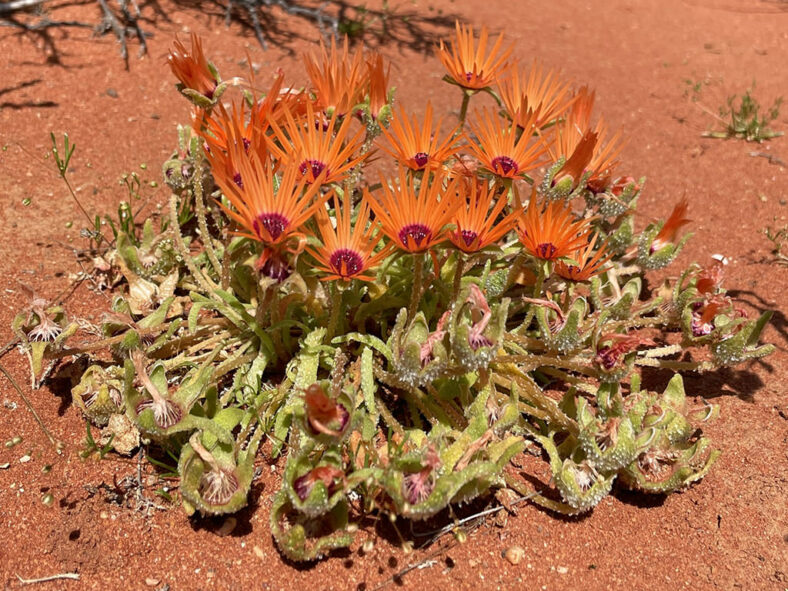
x=328, y=475
x=323, y=414
x=670, y=230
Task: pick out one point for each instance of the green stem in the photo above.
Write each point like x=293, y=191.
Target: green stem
x=466, y=99
x=202, y=223
x=336, y=307
x=415, y=294
x=455, y=292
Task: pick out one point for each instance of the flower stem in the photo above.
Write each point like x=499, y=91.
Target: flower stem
x=336, y=306
x=202, y=222
x=415, y=294
x=458, y=272
x=466, y=99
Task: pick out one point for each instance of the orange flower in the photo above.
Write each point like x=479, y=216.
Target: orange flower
x=319, y=151
x=589, y=263
x=670, y=231
x=338, y=80
x=550, y=232
x=192, y=68
x=378, y=85
x=267, y=213
x=414, y=219
x=471, y=66
x=505, y=151
x=348, y=252
x=538, y=92
x=419, y=148
x=475, y=217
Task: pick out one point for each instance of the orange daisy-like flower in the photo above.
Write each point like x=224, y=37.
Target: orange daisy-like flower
x=551, y=232
x=539, y=91
x=504, y=150
x=670, y=231
x=418, y=147
x=268, y=213
x=471, y=66
x=589, y=263
x=348, y=251
x=476, y=218
x=338, y=79
x=318, y=151
x=191, y=68
x=415, y=220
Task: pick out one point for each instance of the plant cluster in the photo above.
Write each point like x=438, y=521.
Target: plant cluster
x=400, y=336
x=744, y=118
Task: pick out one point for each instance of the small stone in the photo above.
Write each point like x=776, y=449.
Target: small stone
x=5, y=466
x=103, y=515
x=151, y=582
x=561, y=570
x=258, y=551
x=227, y=527
x=25, y=459
x=112, y=92
x=514, y=554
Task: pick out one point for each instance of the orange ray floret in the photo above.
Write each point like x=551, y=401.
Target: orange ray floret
x=191, y=68
x=471, y=66
x=378, y=76
x=550, y=232
x=670, y=230
x=504, y=150
x=318, y=150
x=338, y=79
x=476, y=216
x=583, y=148
x=537, y=91
x=415, y=219
x=268, y=213
x=589, y=263
x=418, y=147
x=348, y=251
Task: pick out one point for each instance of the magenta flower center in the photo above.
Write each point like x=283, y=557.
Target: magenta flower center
x=315, y=167
x=546, y=250
x=504, y=165
x=238, y=180
x=273, y=223
x=468, y=236
x=346, y=263
x=247, y=144
x=418, y=233
x=421, y=159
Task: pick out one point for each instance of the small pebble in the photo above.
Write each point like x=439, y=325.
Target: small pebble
x=151, y=582
x=25, y=459
x=112, y=92
x=227, y=527
x=561, y=570
x=514, y=554
x=48, y=499
x=5, y=466
x=258, y=551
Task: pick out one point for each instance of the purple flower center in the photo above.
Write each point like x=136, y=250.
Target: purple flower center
x=273, y=223
x=546, y=250
x=238, y=180
x=468, y=236
x=504, y=165
x=468, y=76
x=418, y=233
x=247, y=144
x=346, y=262
x=421, y=159
x=315, y=167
